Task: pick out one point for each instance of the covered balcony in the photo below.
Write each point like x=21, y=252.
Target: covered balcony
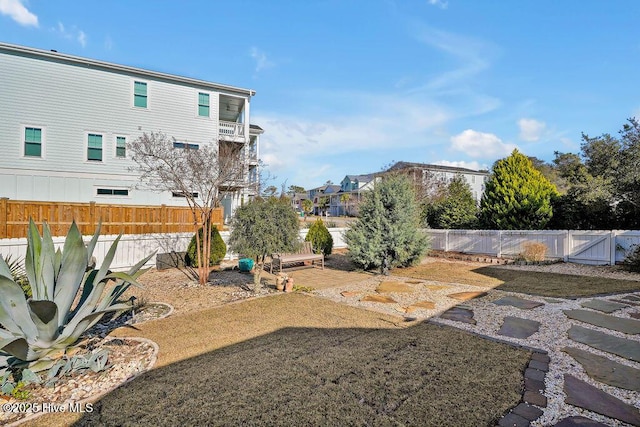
x=232, y=115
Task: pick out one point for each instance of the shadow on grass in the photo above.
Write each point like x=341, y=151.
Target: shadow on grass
x=556, y=285
x=426, y=375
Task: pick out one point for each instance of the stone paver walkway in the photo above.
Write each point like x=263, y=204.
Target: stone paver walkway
x=611, y=344
x=604, y=305
x=517, y=327
x=627, y=326
x=521, y=303
x=606, y=371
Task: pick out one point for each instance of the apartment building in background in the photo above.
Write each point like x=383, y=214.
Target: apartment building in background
x=67, y=120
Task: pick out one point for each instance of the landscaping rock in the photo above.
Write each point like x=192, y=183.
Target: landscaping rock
x=606, y=371
x=378, y=298
x=516, y=327
x=527, y=411
x=459, y=315
x=465, y=296
x=535, y=398
x=627, y=326
x=513, y=420
x=586, y=396
x=635, y=315
x=436, y=287
x=420, y=305
x=632, y=298
x=620, y=346
x=522, y=303
x=578, y=421
x=603, y=305
x=349, y=294
x=387, y=287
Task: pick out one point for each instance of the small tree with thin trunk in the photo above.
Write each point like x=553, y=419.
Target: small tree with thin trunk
x=344, y=199
x=263, y=227
x=202, y=174
x=307, y=207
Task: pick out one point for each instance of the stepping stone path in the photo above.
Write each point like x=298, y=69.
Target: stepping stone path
x=378, y=298
x=348, y=294
x=635, y=315
x=553, y=300
x=578, y=421
x=625, y=302
x=524, y=304
x=458, y=314
x=524, y=413
x=603, y=305
x=627, y=326
x=466, y=296
x=516, y=327
x=420, y=306
x=584, y=395
x=386, y=287
x=621, y=346
x=436, y=287
x=632, y=298
x=606, y=371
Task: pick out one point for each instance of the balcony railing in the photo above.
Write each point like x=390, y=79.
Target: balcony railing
x=231, y=131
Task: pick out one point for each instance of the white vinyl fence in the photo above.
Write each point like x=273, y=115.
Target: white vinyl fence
x=134, y=247
x=580, y=246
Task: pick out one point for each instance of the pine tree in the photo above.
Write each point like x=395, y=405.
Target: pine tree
x=387, y=234
x=517, y=196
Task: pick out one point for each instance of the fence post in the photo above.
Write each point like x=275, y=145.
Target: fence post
x=567, y=246
x=446, y=240
x=499, y=244
x=3, y=217
x=612, y=256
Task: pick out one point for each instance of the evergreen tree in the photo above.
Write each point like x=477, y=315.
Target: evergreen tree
x=320, y=237
x=386, y=234
x=262, y=227
x=454, y=208
x=517, y=196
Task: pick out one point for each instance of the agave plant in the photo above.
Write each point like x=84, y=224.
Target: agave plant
x=67, y=298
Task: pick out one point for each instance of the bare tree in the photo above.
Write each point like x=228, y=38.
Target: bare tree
x=202, y=174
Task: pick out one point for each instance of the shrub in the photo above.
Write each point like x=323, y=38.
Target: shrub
x=320, y=237
x=218, y=249
x=632, y=260
x=69, y=297
x=533, y=251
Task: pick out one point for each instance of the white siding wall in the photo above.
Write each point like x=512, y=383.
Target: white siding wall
x=67, y=102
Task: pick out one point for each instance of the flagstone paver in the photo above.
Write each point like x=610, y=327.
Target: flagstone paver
x=436, y=287
x=578, y=421
x=627, y=326
x=466, y=296
x=348, y=294
x=603, y=305
x=584, y=395
x=626, y=302
x=635, y=315
x=632, y=297
x=606, y=371
x=386, y=287
x=378, y=298
x=517, y=302
x=553, y=300
x=459, y=315
x=421, y=305
x=517, y=327
x=621, y=346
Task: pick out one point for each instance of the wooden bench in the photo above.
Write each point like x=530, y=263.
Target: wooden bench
x=304, y=254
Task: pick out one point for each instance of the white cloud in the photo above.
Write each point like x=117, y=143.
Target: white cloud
x=18, y=12
x=531, y=130
x=73, y=33
x=439, y=3
x=262, y=62
x=462, y=164
x=481, y=145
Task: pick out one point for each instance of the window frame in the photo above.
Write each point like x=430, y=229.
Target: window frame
x=113, y=190
x=201, y=105
x=180, y=145
x=115, y=146
x=135, y=94
x=23, y=139
x=87, y=136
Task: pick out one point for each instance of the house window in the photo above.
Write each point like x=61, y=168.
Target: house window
x=112, y=192
x=33, y=142
x=182, y=194
x=185, y=146
x=94, y=147
x=121, y=147
x=140, y=94
x=203, y=104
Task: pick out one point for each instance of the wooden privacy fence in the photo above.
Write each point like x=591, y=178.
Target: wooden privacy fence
x=115, y=219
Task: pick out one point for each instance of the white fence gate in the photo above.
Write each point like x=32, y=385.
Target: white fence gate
x=579, y=246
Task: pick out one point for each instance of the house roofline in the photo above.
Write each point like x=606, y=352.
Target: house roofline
x=77, y=60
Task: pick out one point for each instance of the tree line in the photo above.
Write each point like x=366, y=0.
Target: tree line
x=597, y=188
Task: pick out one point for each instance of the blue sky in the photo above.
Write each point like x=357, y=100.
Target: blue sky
x=348, y=86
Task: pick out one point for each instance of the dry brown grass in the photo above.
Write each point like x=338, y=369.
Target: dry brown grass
x=533, y=251
x=522, y=281
x=299, y=360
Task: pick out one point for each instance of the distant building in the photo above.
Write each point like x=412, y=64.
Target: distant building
x=427, y=175
x=66, y=122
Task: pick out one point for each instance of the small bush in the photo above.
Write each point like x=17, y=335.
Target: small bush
x=533, y=251
x=320, y=237
x=218, y=249
x=632, y=260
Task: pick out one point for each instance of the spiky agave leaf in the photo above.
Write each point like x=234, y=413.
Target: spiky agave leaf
x=72, y=269
x=32, y=260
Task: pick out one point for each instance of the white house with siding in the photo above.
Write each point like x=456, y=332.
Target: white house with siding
x=66, y=122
